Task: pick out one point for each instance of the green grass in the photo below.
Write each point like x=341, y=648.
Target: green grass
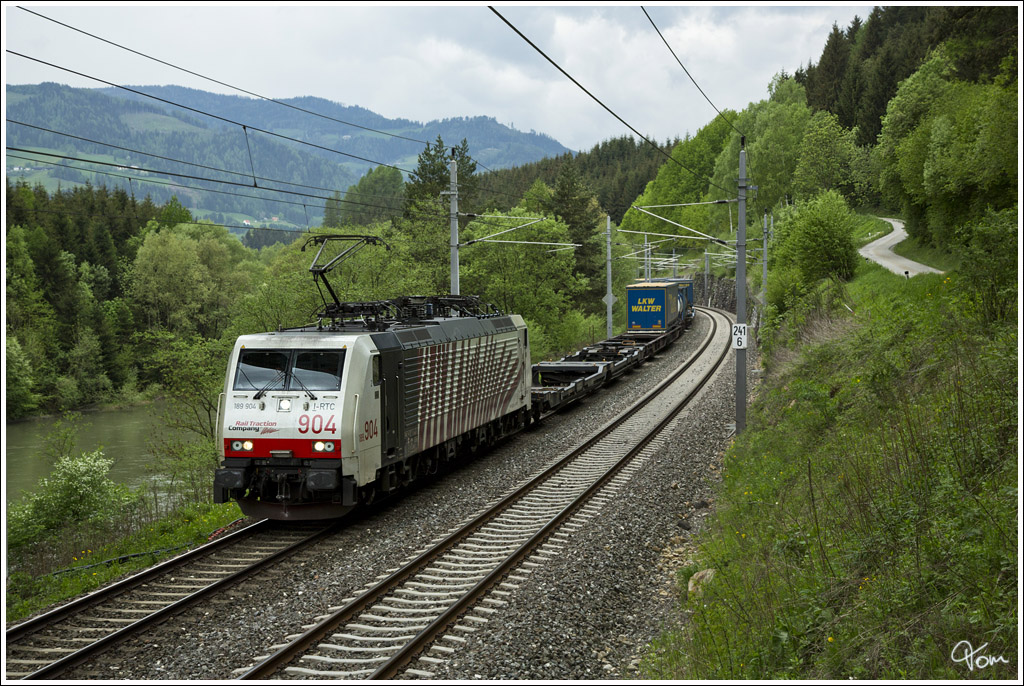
x=89, y=569
x=867, y=518
x=925, y=254
x=869, y=228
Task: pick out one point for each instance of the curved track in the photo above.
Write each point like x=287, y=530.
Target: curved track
x=424, y=610
x=49, y=644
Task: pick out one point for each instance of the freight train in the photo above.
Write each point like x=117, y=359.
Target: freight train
x=316, y=420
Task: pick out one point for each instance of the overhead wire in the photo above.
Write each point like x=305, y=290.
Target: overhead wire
x=222, y=83
x=224, y=119
x=598, y=101
x=228, y=226
x=203, y=166
x=228, y=85
x=189, y=176
x=162, y=183
x=658, y=31
x=208, y=114
x=65, y=213
x=750, y=162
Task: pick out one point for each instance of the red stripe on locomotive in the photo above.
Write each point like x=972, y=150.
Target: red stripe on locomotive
x=299, y=447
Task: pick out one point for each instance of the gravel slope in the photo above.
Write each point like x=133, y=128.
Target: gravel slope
x=586, y=615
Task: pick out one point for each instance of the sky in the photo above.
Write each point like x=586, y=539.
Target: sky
x=426, y=61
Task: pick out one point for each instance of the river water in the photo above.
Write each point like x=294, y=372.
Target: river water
x=125, y=435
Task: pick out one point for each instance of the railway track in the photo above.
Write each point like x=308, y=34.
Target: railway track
x=47, y=645
x=424, y=610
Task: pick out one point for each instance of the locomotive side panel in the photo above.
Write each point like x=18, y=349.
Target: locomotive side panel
x=363, y=405
x=391, y=387
x=464, y=384
x=465, y=375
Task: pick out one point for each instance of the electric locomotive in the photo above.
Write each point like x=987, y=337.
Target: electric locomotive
x=317, y=419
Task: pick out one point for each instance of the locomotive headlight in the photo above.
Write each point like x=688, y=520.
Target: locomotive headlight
x=247, y=445
x=236, y=445
x=319, y=446
x=284, y=405
x=329, y=446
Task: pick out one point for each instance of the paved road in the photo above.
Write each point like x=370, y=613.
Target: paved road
x=880, y=251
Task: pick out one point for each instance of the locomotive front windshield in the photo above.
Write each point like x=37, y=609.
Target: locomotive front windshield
x=293, y=370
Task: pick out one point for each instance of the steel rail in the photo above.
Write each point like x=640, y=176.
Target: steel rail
x=111, y=639
x=371, y=596
x=107, y=592
x=427, y=635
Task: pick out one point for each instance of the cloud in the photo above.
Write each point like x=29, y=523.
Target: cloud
x=423, y=62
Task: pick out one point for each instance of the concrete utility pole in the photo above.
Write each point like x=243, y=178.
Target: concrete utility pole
x=741, y=296
x=609, y=299
x=647, y=259
x=453, y=192
x=764, y=262
x=707, y=268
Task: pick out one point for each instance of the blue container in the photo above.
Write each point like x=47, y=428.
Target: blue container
x=652, y=306
x=686, y=301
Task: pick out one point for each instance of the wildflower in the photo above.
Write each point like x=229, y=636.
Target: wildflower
x=829, y=639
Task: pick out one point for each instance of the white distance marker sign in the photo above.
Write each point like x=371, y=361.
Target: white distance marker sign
x=739, y=336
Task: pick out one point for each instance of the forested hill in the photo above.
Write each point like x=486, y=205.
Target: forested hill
x=862, y=66
x=616, y=171
x=116, y=117
x=490, y=143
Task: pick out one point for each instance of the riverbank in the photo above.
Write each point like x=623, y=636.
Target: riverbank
x=130, y=436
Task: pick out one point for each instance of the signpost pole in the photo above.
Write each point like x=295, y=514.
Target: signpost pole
x=741, y=296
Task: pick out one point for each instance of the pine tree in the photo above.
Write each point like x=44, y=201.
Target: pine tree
x=576, y=205
x=823, y=90
x=332, y=211
x=432, y=175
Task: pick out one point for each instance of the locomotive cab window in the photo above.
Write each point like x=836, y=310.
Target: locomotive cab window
x=317, y=370
x=295, y=370
x=261, y=369
x=375, y=368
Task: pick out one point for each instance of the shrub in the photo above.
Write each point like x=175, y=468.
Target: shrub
x=990, y=264
x=820, y=242
x=78, y=490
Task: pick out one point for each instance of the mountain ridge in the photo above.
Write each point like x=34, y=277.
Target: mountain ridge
x=209, y=133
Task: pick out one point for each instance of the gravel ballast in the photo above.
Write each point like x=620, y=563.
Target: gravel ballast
x=586, y=614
